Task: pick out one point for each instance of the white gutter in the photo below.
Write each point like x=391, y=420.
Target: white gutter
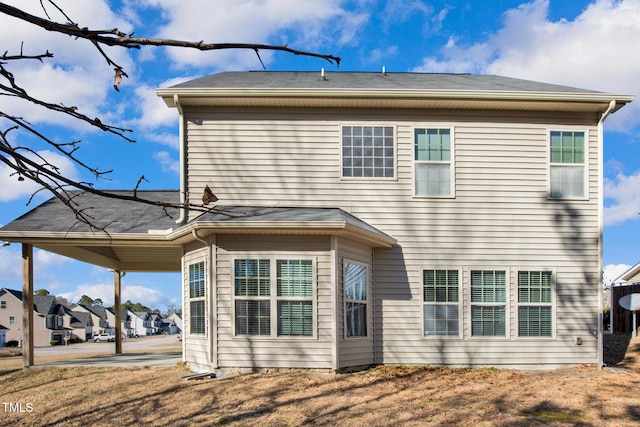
x=183, y=161
x=198, y=92
x=608, y=111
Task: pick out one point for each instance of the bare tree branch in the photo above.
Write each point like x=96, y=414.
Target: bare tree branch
x=28, y=164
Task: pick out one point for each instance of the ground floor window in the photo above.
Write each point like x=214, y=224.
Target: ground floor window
x=477, y=303
x=197, y=305
x=488, y=303
x=441, y=297
x=355, y=299
x=274, y=297
x=535, y=292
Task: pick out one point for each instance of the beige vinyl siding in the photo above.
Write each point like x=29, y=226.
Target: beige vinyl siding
x=501, y=215
x=274, y=352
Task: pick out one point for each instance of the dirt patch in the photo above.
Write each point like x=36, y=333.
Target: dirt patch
x=384, y=396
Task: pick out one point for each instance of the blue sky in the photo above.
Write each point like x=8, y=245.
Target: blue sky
x=587, y=44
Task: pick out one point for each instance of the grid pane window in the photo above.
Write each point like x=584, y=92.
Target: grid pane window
x=196, y=280
x=253, y=317
x=488, y=321
x=252, y=277
x=295, y=318
x=441, y=290
x=535, y=293
x=274, y=297
x=433, y=162
x=568, y=164
x=355, y=295
x=368, y=152
x=488, y=298
x=197, y=306
x=295, y=280
x=197, y=317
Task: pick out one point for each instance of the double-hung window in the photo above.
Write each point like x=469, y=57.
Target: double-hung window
x=568, y=166
x=488, y=303
x=433, y=168
x=368, y=152
x=3, y=305
x=274, y=297
x=197, y=298
x=441, y=297
x=355, y=299
x=535, y=303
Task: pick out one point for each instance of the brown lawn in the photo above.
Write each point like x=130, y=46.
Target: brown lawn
x=384, y=396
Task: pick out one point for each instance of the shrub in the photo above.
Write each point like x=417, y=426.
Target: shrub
x=54, y=342
x=12, y=343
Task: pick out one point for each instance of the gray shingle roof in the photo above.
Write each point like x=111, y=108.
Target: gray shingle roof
x=123, y=216
x=120, y=216
x=366, y=80
x=242, y=214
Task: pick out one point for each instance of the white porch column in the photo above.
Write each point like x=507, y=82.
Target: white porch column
x=117, y=285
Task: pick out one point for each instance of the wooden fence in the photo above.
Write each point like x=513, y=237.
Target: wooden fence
x=620, y=317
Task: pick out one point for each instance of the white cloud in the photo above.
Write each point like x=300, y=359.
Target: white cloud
x=167, y=163
x=104, y=291
x=12, y=189
x=310, y=24
x=597, y=50
x=612, y=271
x=622, y=198
x=11, y=267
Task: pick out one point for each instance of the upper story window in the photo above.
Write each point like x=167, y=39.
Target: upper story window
x=567, y=169
x=433, y=156
x=368, y=152
x=3, y=305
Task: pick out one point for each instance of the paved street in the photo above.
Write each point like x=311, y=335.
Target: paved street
x=136, y=352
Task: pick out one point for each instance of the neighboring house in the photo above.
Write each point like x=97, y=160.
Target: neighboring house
x=81, y=324
x=174, y=322
x=99, y=318
x=135, y=323
x=3, y=335
x=369, y=218
x=49, y=318
x=153, y=323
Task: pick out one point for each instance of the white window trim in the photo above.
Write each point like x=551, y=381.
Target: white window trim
x=452, y=162
x=395, y=152
x=459, y=303
x=369, y=335
x=585, y=165
x=202, y=298
x=553, y=304
x=273, y=297
x=507, y=304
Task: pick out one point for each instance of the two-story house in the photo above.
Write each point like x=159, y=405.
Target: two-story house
x=49, y=318
x=370, y=218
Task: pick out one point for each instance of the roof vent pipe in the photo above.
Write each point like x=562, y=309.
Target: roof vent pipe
x=384, y=70
x=322, y=74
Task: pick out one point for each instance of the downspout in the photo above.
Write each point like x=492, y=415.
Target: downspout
x=183, y=162
x=612, y=105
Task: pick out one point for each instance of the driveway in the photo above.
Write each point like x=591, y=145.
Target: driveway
x=161, y=350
